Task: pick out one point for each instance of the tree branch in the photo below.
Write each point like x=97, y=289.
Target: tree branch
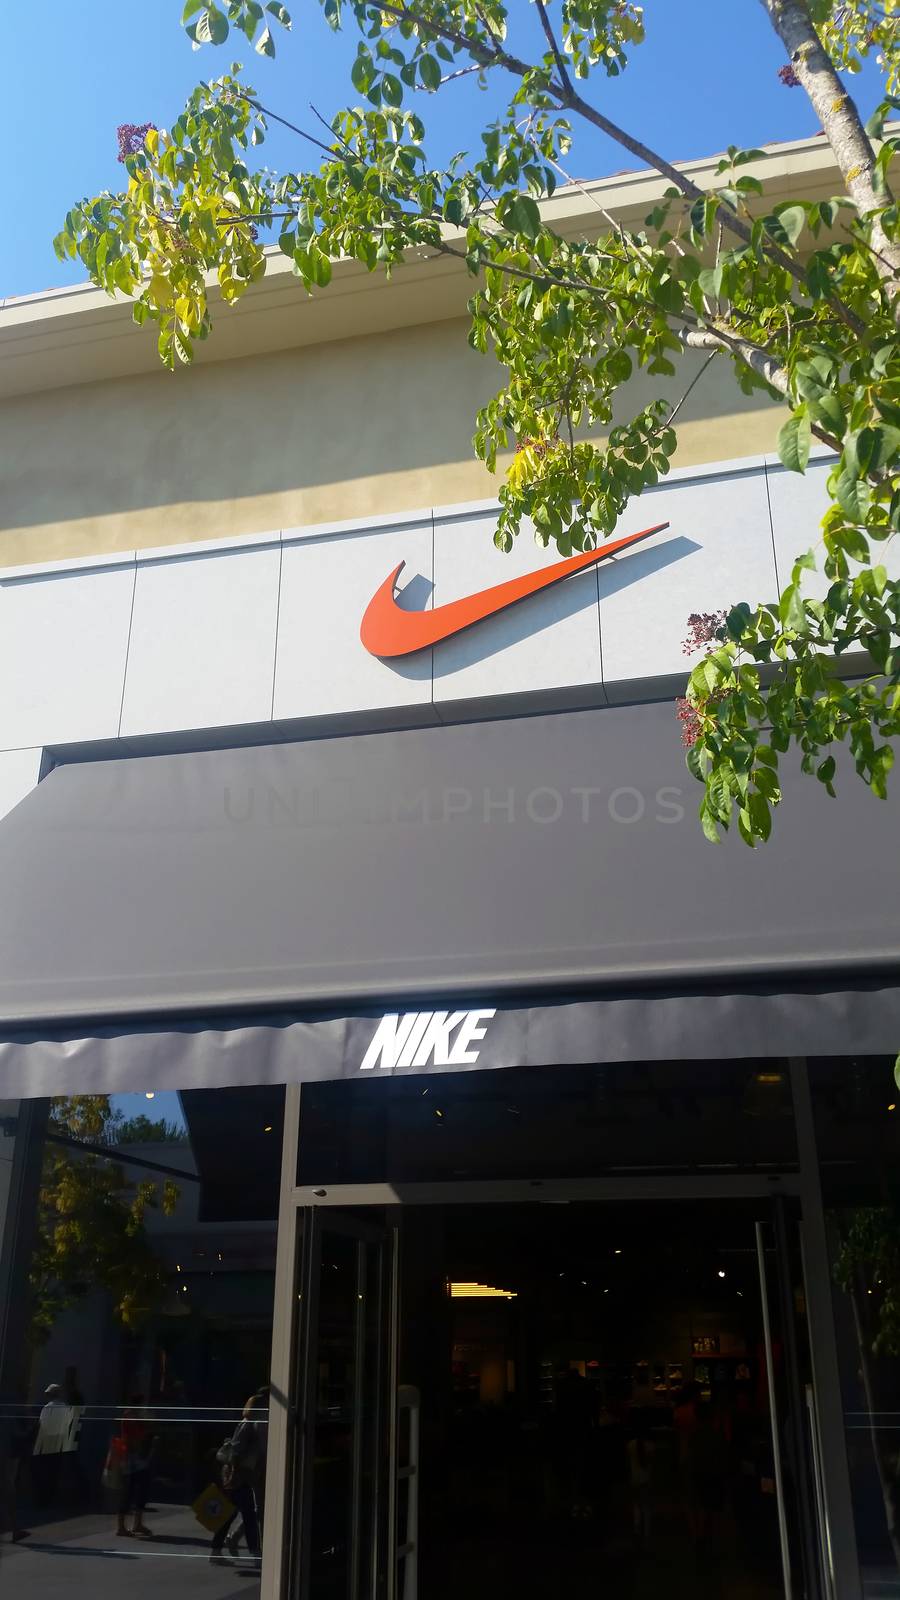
x=754, y=357
x=840, y=121
x=558, y=57
x=691, y=386
x=568, y=99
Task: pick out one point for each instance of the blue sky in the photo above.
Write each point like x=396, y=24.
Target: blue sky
x=160, y=1105
x=74, y=72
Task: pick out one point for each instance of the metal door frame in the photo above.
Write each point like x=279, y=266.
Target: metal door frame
x=361, y=1233
x=838, y=1537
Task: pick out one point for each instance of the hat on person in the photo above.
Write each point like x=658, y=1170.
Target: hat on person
x=53, y=1388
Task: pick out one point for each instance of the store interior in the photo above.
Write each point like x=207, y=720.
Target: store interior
x=595, y=1414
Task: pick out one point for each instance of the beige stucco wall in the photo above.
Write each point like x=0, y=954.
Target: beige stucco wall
x=365, y=426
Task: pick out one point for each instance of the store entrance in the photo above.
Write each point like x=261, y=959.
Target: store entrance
x=555, y=1400
x=596, y=1403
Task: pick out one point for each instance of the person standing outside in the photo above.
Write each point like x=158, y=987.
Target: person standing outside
x=241, y=1461
x=52, y=1440
x=134, y=1455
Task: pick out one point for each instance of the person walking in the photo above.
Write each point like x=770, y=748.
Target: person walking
x=241, y=1460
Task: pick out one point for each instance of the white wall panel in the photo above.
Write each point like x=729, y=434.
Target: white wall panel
x=230, y=636
x=202, y=650
x=19, y=772
x=799, y=502
x=716, y=551
x=548, y=642
x=326, y=584
x=63, y=644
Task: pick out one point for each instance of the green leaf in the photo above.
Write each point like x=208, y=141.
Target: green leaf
x=279, y=12
x=667, y=292
x=430, y=72
x=792, y=219
x=791, y=609
x=710, y=279
x=694, y=763
x=882, y=446
x=392, y=89
x=265, y=44
x=852, y=494
x=760, y=815
x=520, y=213
x=709, y=823
x=794, y=441
x=361, y=71
x=212, y=26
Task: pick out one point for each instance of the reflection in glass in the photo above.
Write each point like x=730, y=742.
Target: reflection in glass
x=136, y=1430
x=531, y=1123
x=858, y=1134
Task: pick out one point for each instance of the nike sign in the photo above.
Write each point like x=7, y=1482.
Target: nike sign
x=409, y=1040
x=387, y=630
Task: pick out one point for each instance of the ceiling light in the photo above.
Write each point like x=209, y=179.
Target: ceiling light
x=479, y=1291
x=267, y=1128
x=892, y=1107
x=721, y=1272
x=150, y=1094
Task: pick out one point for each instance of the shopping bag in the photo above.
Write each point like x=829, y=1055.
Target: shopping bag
x=213, y=1508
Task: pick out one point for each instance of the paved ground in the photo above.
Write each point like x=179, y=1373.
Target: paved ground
x=84, y=1553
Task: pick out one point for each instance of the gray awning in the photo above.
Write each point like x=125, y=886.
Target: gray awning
x=278, y=899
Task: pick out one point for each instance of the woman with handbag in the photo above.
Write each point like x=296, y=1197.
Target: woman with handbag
x=240, y=1461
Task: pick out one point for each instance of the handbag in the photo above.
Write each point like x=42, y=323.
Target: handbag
x=213, y=1508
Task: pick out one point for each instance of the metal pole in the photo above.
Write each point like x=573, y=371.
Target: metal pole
x=17, y=1235
x=840, y=1537
x=773, y=1412
x=800, y=1450
x=280, y=1445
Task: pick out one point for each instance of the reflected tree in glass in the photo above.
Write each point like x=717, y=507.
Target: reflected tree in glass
x=91, y=1220
x=867, y=1268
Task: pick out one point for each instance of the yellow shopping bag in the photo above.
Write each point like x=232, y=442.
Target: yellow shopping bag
x=212, y=1508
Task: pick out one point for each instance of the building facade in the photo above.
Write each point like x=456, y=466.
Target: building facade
x=385, y=1055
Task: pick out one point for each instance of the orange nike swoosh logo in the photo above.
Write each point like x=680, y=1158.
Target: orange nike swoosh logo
x=387, y=630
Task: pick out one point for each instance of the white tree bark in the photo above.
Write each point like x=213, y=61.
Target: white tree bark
x=840, y=121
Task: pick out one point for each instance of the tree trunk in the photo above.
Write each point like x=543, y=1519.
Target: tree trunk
x=841, y=124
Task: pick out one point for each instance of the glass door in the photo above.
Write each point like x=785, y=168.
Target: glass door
x=796, y=1478
x=344, y=1384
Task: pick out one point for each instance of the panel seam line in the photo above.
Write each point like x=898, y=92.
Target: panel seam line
x=127, y=650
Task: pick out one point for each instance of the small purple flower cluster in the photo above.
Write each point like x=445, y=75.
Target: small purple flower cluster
x=131, y=137
x=690, y=722
x=703, y=626
x=541, y=447
x=788, y=76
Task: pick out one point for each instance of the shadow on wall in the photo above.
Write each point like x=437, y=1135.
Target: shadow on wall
x=315, y=434
x=525, y=620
